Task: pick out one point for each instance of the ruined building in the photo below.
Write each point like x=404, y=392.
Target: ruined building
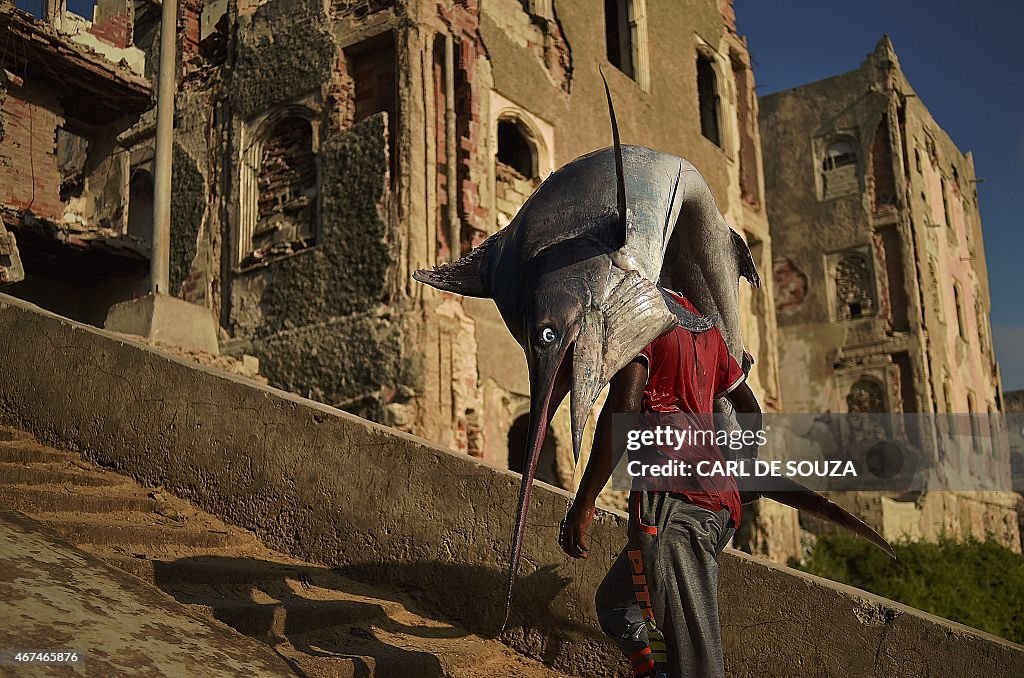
x=70, y=88
x=326, y=149
x=881, y=290
x=1013, y=405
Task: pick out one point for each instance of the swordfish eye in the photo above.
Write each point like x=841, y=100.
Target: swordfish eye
x=546, y=336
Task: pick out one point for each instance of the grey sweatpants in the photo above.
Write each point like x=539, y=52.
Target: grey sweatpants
x=659, y=601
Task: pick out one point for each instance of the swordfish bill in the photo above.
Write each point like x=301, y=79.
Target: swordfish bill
x=577, y=277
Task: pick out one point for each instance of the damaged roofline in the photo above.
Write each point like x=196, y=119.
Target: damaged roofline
x=76, y=70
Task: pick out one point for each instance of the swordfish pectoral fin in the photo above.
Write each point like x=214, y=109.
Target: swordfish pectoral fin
x=686, y=318
x=466, y=276
x=744, y=261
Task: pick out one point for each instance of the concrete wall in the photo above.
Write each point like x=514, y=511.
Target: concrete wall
x=390, y=508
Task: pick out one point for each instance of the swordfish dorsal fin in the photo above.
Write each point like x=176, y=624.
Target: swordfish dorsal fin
x=467, y=276
x=620, y=175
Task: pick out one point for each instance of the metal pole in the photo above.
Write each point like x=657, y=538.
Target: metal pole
x=160, y=257
x=451, y=150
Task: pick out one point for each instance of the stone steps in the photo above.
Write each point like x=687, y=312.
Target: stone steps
x=102, y=533
x=28, y=452
x=40, y=499
x=15, y=473
x=324, y=624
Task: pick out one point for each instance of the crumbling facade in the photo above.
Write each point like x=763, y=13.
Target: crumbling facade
x=324, y=150
x=69, y=87
x=881, y=288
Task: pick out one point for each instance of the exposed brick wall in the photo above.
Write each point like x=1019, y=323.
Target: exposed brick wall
x=535, y=27
x=840, y=181
x=889, y=248
x=287, y=187
x=376, y=90
x=441, y=149
x=511, y=189
x=728, y=14
x=193, y=290
x=470, y=128
x=341, y=96
x=746, y=115
x=883, y=181
x=790, y=285
x=189, y=17
x=116, y=30
x=29, y=175
x=360, y=9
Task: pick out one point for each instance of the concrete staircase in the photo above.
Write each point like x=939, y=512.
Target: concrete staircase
x=321, y=623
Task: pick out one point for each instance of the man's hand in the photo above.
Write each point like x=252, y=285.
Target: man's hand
x=573, y=537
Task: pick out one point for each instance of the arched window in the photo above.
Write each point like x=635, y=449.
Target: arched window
x=839, y=169
x=280, y=187
x=855, y=290
x=514, y=149
x=625, y=32
x=547, y=463
x=287, y=180
x=708, y=99
x=140, y=205
x=839, y=154
x=517, y=163
x=866, y=396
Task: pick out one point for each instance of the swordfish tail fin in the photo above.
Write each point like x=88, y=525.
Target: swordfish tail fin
x=744, y=261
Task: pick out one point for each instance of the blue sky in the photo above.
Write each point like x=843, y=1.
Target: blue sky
x=966, y=61
x=79, y=7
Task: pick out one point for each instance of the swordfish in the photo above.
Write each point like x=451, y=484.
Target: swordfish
x=578, y=278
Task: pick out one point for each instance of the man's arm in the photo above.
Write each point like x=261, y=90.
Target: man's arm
x=745, y=403
x=625, y=395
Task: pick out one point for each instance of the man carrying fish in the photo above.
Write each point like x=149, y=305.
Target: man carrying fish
x=576, y=277
x=659, y=601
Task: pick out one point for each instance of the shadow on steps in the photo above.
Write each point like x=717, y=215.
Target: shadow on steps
x=325, y=615
x=481, y=605
x=310, y=614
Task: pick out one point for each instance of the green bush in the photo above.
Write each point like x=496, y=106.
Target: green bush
x=980, y=584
